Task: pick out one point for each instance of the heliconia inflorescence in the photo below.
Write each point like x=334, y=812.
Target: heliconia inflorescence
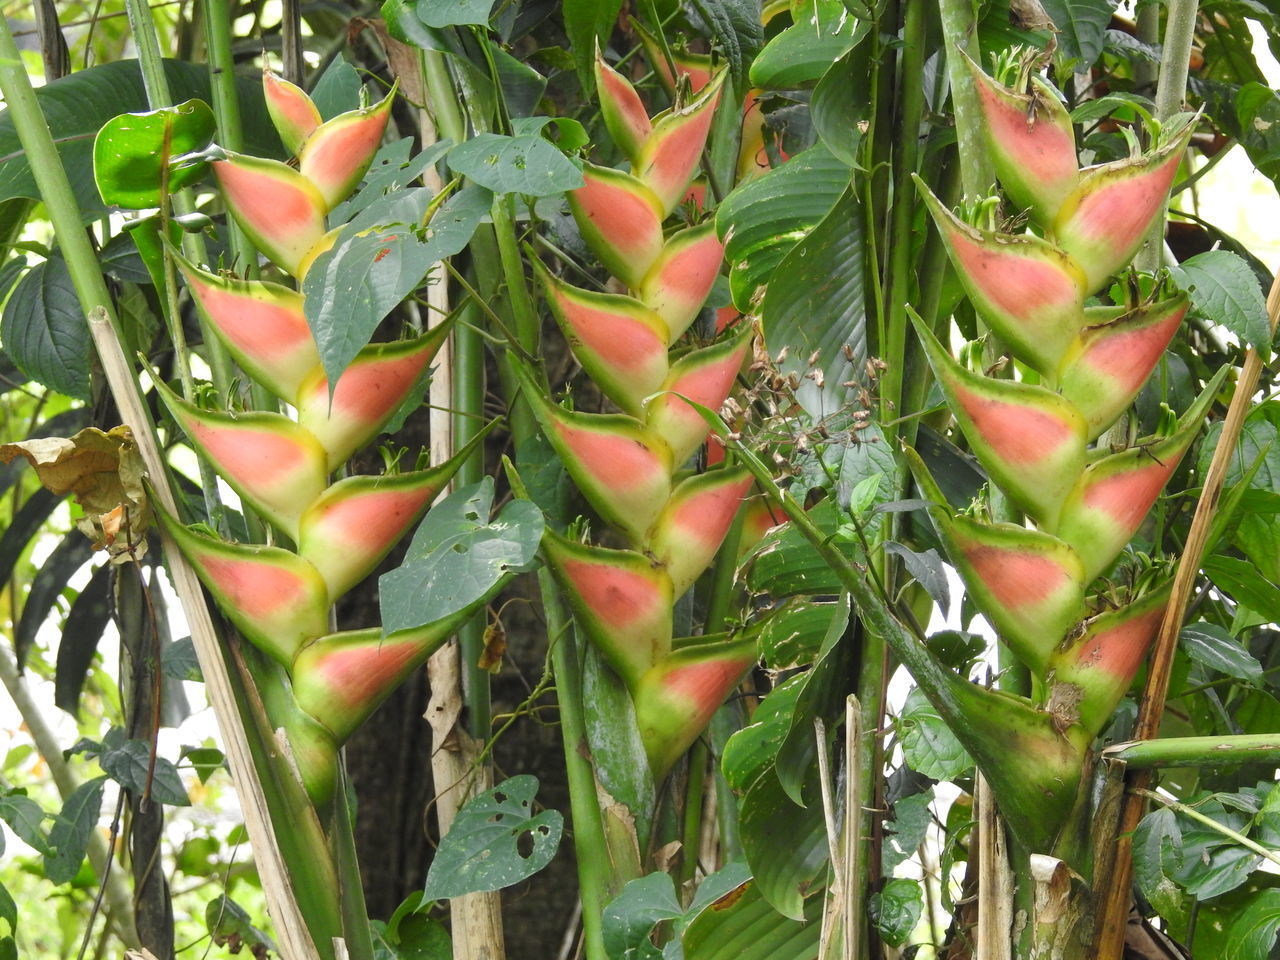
x=280, y=598
x=629, y=466
x=1033, y=436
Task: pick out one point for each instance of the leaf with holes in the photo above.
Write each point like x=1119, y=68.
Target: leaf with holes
x=528, y=165
x=458, y=555
x=44, y=332
x=496, y=840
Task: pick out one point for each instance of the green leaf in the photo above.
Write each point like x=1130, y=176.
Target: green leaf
x=76, y=107
x=78, y=644
x=785, y=844
x=392, y=170
x=1157, y=857
x=742, y=925
x=1225, y=291
x=528, y=165
x=927, y=742
x=458, y=555
x=178, y=660
x=229, y=923
x=1242, y=581
x=629, y=919
x=585, y=23
x=8, y=926
x=52, y=578
x=906, y=831
x=204, y=760
x=338, y=89
x=896, y=909
x=1211, y=645
x=749, y=753
x=495, y=841
x=764, y=218
x=822, y=276
x=621, y=765
x=926, y=567
x=44, y=332
x=736, y=31
x=132, y=150
x=839, y=104
x=128, y=765
x=1082, y=26
x=374, y=266
x=26, y=819
x=69, y=835
x=1253, y=932
x=452, y=13
x=823, y=32
x=792, y=633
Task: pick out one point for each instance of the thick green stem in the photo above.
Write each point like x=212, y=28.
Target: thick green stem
x=342, y=838
x=226, y=108
x=960, y=32
x=1179, y=33
x=588, y=825
x=1198, y=751
x=901, y=243
x=151, y=62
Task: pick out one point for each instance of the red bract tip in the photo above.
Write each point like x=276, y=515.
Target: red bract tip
x=680, y=280
x=624, y=114
x=293, y=113
x=704, y=377
x=694, y=523
x=280, y=209
x=670, y=155
x=339, y=151
x=621, y=221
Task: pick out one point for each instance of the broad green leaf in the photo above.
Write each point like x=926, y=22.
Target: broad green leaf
x=1225, y=291
x=1257, y=109
x=78, y=643
x=132, y=150
x=338, y=89
x=179, y=661
x=26, y=819
x=742, y=925
x=8, y=925
x=529, y=165
x=1253, y=933
x=1210, y=645
x=1243, y=582
x=823, y=32
x=351, y=288
x=44, y=331
x=1157, y=857
x=906, y=831
x=735, y=31
x=496, y=840
x=459, y=555
x=621, y=765
x=228, y=922
x=69, y=835
x=76, y=107
x=452, y=13
x=1082, y=26
x=392, y=170
x=765, y=217
x=822, y=276
x=204, y=760
x=1212, y=863
x=785, y=845
x=585, y=23
x=785, y=564
x=927, y=742
x=128, y=765
x=629, y=919
x=840, y=103
x=793, y=632
x=895, y=910
x=749, y=753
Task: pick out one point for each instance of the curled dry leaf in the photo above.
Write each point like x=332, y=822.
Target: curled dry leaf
x=104, y=472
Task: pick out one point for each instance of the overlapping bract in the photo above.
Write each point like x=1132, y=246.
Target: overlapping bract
x=628, y=465
x=1033, y=437
x=279, y=598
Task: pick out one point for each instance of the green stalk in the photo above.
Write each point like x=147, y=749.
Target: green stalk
x=902, y=213
x=151, y=62
x=226, y=108
x=960, y=32
x=468, y=416
x=355, y=914
x=1198, y=751
x=1179, y=33
x=589, y=845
